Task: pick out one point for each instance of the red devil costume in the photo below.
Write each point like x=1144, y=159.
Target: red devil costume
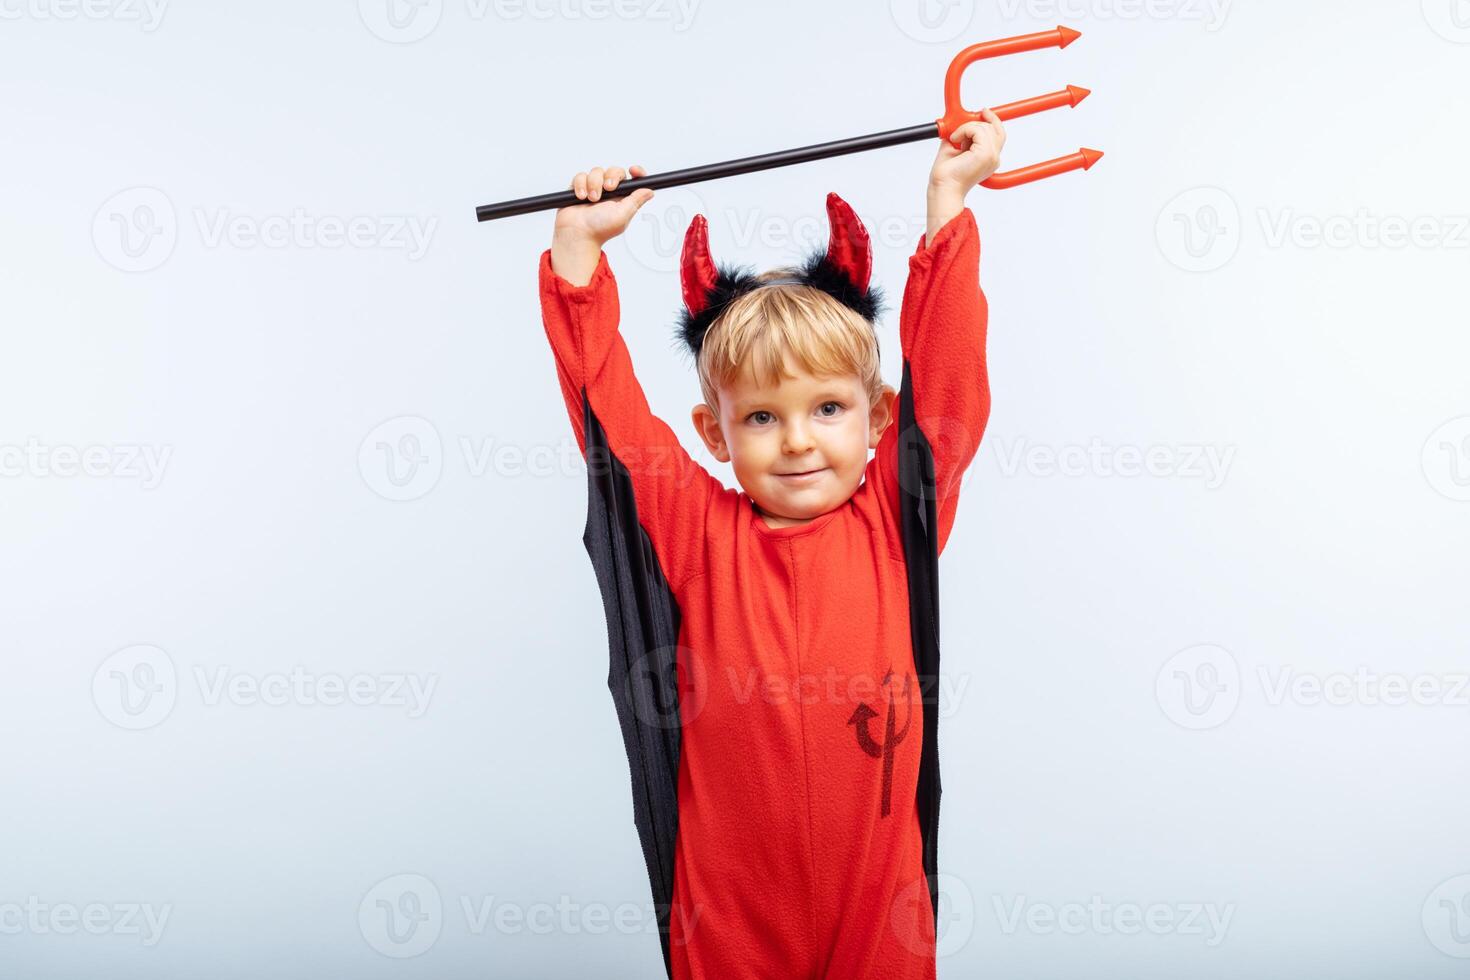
x=777, y=687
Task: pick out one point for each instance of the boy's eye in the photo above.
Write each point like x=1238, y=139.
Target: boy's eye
x=759, y=418
x=835, y=406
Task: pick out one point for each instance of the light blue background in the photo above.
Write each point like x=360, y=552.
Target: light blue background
x=1077, y=609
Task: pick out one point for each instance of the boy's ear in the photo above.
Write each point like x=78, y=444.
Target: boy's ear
x=709, y=430
x=882, y=414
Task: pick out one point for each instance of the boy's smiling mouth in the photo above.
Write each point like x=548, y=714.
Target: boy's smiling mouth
x=802, y=475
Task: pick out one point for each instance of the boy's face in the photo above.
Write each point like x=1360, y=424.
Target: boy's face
x=798, y=447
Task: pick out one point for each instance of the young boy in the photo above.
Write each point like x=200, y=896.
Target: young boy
x=787, y=804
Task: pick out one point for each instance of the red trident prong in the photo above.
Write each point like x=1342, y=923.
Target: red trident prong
x=956, y=115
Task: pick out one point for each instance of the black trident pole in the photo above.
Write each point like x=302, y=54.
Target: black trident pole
x=712, y=171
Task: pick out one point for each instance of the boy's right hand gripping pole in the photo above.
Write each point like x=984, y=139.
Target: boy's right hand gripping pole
x=956, y=115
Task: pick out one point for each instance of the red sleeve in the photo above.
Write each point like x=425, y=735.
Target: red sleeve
x=942, y=327
x=673, y=492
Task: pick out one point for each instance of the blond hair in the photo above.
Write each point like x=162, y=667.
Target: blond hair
x=759, y=328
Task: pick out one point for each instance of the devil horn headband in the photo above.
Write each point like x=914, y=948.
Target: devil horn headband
x=843, y=272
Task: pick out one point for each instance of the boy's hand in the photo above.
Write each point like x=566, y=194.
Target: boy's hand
x=582, y=229
x=607, y=219
x=970, y=155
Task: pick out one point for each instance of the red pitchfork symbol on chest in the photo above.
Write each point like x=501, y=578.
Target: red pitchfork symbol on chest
x=891, y=738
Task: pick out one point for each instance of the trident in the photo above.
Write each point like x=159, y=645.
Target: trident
x=955, y=115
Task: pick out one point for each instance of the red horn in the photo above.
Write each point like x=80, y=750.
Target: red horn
x=847, y=247
x=697, y=272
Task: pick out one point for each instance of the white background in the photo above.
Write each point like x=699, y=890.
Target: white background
x=1133, y=656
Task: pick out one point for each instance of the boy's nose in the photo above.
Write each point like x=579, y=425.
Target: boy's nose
x=798, y=440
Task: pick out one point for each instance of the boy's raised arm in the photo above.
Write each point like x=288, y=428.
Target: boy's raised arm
x=944, y=317
x=579, y=308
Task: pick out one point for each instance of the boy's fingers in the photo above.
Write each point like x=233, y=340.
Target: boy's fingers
x=987, y=140
x=998, y=126
x=634, y=201
x=588, y=185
